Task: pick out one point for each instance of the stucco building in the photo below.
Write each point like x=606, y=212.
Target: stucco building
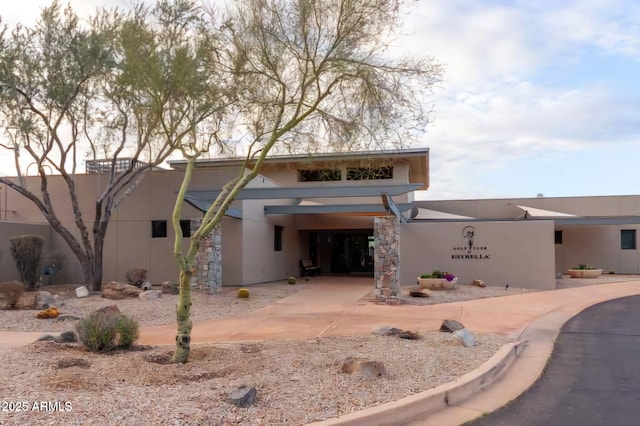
x=322, y=208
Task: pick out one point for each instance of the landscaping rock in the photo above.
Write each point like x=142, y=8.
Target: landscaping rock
x=409, y=335
x=150, y=295
x=66, y=337
x=465, y=337
x=46, y=338
x=363, y=367
x=419, y=292
x=168, y=288
x=82, y=291
x=44, y=300
x=387, y=331
x=146, y=286
x=119, y=291
x=478, y=283
x=67, y=317
x=242, y=397
x=449, y=326
x=111, y=309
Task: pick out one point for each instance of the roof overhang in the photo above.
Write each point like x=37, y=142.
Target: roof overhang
x=334, y=208
x=275, y=193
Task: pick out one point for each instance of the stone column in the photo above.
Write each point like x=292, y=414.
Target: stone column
x=386, y=230
x=209, y=259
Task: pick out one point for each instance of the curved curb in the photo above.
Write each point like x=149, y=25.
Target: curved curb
x=432, y=400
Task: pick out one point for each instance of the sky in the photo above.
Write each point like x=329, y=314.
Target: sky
x=538, y=97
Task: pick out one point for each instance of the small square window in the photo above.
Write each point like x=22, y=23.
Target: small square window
x=158, y=229
x=185, y=225
x=277, y=238
x=558, y=237
x=628, y=239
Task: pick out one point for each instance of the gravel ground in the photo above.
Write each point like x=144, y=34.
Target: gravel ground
x=297, y=381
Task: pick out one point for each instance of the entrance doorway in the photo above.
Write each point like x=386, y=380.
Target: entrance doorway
x=340, y=252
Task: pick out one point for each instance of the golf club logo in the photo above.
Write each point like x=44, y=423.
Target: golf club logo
x=470, y=249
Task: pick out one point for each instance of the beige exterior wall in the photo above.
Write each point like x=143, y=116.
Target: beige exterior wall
x=597, y=246
x=9, y=230
x=521, y=254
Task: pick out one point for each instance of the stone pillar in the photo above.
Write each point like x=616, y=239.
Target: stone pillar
x=209, y=259
x=386, y=230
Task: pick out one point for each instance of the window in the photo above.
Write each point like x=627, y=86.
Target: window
x=558, y=237
x=185, y=225
x=322, y=175
x=369, y=173
x=277, y=237
x=628, y=239
x=158, y=229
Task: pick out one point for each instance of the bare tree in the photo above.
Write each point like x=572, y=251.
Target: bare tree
x=308, y=76
x=127, y=87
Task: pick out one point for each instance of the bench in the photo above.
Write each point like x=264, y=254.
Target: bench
x=307, y=268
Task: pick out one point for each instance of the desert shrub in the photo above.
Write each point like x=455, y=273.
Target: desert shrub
x=292, y=280
x=136, y=276
x=27, y=253
x=127, y=331
x=243, y=293
x=102, y=331
x=11, y=291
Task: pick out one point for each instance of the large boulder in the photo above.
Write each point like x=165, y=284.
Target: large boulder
x=449, y=326
x=82, y=291
x=363, y=367
x=169, y=288
x=119, y=291
x=419, y=292
x=478, y=283
x=465, y=337
x=111, y=309
x=242, y=397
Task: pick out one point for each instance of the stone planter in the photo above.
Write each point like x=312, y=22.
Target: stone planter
x=585, y=273
x=436, y=283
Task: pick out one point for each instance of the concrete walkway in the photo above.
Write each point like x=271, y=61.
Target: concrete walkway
x=331, y=307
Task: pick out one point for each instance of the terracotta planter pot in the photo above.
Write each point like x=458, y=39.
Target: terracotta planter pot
x=436, y=283
x=585, y=273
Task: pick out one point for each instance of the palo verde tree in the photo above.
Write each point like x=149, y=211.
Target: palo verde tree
x=119, y=87
x=307, y=76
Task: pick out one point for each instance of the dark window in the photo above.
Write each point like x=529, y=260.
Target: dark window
x=558, y=237
x=369, y=173
x=319, y=175
x=158, y=229
x=628, y=239
x=277, y=237
x=185, y=225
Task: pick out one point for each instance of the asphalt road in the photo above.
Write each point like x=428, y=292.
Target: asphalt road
x=593, y=376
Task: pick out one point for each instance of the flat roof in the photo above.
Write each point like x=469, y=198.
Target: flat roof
x=296, y=158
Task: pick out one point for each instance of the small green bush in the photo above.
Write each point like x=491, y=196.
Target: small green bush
x=127, y=331
x=27, y=253
x=292, y=280
x=102, y=331
x=426, y=276
x=436, y=274
x=11, y=291
x=243, y=293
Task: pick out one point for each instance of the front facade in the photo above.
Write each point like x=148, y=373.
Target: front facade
x=322, y=209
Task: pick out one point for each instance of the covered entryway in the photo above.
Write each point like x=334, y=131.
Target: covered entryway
x=340, y=251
